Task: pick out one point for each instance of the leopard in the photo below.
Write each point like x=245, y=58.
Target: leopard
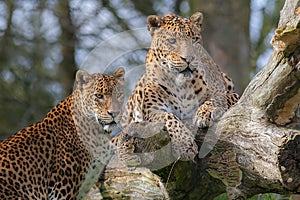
x=181, y=82
x=56, y=157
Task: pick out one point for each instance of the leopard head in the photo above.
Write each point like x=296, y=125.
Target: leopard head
x=99, y=96
x=174, y=41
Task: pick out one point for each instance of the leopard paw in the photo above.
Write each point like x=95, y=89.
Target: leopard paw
x=207, y=114
x=202, y=117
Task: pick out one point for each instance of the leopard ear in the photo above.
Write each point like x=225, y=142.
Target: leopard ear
x=196, y=20
x=82, y=78
x=119, y=73
x=154, y=22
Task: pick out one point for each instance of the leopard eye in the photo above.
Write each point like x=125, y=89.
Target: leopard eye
x=194, y=39
x=99, y=96
x=172, y=40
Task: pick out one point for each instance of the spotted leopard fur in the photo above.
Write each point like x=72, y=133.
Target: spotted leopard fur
x=181, y=82
x=58, y=157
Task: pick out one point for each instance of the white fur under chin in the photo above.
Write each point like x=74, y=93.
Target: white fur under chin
x=106, y=127
x=182, y=79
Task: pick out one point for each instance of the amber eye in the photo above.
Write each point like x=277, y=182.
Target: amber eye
x=194, y=39
x=99, y=96
x=172, y=40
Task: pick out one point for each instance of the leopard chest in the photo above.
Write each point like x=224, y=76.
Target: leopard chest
x=186, y=98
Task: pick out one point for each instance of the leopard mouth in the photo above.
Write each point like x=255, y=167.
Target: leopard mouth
x=108, y=127
x=184, y=76
x=187, y=73
x=111, y=123
x=103, y=123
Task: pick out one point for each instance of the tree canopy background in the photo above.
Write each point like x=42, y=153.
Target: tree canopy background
x=43, y=43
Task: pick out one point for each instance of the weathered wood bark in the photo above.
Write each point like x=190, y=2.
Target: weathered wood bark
x=257, y=146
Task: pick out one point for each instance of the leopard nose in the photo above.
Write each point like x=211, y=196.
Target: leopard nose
x=187, y=59
x=113, y=113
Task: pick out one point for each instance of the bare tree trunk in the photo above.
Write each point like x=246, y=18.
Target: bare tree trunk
x=257, y=146
x=6, y=40
x=68, y=40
